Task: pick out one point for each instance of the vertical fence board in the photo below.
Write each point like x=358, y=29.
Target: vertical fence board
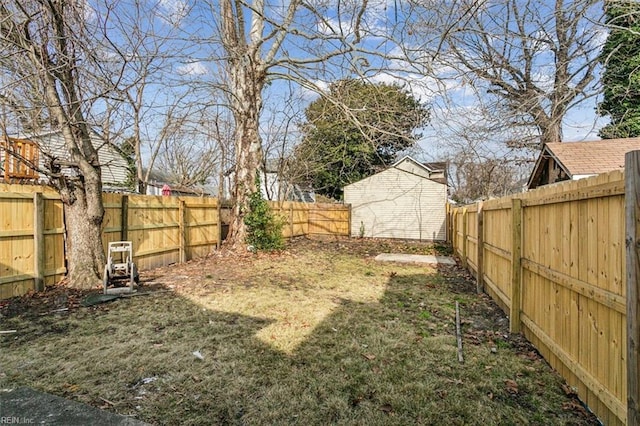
x=38, y=241
x=480, y=249
x=516, y=265
x=182, y=230
x=632, y=232
x=465, y=259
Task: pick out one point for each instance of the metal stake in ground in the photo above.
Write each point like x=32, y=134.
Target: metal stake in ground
x=458, y=333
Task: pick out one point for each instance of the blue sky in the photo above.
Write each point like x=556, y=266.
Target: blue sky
x=381, y=21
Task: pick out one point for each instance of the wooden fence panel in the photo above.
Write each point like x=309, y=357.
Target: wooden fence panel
x=573, y=297
x=458, y=231
x=295, y=215
x=472, y=239
x=16, y=244
x=154, y=230
x=300, y=219
x=497, y=253
x=22, y=264
x=54, y=234
x=112, y=221
x=329, y=219
x=202, y=226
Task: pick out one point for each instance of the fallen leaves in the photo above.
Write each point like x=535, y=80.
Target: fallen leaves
x=568, y=390
x=574, y=406
x=386, y=408
x=511, y=386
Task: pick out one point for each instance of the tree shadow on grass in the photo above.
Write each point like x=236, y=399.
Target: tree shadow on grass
x=387, y=362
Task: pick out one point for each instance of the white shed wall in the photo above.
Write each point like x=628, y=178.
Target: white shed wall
x=397, y=204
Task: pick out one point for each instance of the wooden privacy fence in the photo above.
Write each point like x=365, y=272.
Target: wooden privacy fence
x=164, y=230
x=31, y=239
x=554, y=260
x=313, y=218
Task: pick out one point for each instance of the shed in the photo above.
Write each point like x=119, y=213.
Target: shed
x=405, y=201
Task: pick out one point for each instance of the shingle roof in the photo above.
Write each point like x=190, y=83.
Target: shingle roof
x=436, y=166
x=586, y=158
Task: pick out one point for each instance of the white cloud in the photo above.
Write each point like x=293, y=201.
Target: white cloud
x=173, y=11
x=192, y=68
x=333, y=26
x=314, y=89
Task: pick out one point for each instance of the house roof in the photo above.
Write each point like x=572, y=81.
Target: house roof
x=583, y=158
x=427, y=171
x=590, y=158
x=436, y=166
x=423, y=166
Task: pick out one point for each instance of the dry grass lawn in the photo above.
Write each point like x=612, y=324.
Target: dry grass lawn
x=320, y=334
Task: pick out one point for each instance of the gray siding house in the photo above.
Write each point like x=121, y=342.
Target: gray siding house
x=113, y=165
x=405, y=201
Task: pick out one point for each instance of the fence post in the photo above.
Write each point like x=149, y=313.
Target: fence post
x=124, y=218
x=448, y=223
x=291, y=219
x=38, y=241
x=516, y=265
x=480, y=253
x=632, y=240
x=464, y=237
x=182, y=229
x=454, y=230
x=219, y=209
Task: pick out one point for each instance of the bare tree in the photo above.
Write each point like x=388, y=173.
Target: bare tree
x=535, y=60
x=281, y=130
x=194, y=151
x=42, y=47
x=299, y=41
x=477, y=172
x=143, y=37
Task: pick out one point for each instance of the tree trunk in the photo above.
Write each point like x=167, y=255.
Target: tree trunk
x=83, y=219
x=84, y=211
x=248, y=79
x=551, y=134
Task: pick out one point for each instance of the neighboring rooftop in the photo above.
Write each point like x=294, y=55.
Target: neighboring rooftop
x=590, y=158
x=574, y=160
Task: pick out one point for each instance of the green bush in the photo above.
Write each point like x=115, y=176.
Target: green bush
x=264, y=229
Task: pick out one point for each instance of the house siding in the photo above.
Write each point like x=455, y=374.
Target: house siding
x=113, y=166
x=409, y=165
x=397, y=203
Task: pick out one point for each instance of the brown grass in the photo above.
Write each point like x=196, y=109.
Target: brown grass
x=320, y=334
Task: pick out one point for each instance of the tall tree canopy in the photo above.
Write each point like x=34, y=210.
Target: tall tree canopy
x=531, y=61
x=620, y=58
x=354, y=131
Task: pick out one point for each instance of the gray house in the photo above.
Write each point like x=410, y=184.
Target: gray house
x=113, y=165
x=405, y=201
